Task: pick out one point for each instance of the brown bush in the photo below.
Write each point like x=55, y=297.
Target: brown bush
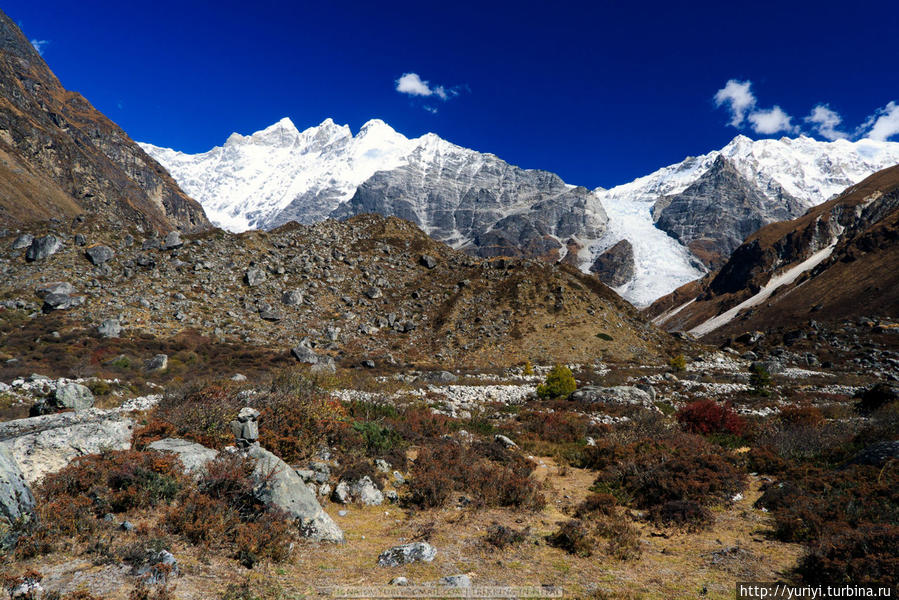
x=682, y=513
x=707, y=416
x=867, y=555
x=596, y=504
x=491, y=474
x=500, y=536
x=574, y=537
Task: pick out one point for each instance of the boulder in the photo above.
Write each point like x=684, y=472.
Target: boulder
x=193, y=456
x=80, y=240
x=427, y=261
x=621, y=394
x=42, y=248
x=16, y=500
x=47, y=443
x=292, y=298
x=61, y=302
x=99, y=254
x=172, y=240
x=72, y=396
x=158, y=363
x=55, y=287
x=110, y=328
x=254, y=277
x=341, y=493
x=280, y=487
x=504, y=441
x=23, y=241
x=365, y=492
x=307, y=355
x=407, y=553
x=245, y=427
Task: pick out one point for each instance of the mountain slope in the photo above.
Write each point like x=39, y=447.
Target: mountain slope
x=63, y=157
x=477, y=202
x=839, y=260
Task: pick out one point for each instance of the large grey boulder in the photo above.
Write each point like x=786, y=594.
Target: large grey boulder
x=61, y=302
x=16, y=500
x=194, y=457
x=73, y=396
x=172, y=240
x=55, y=287
x=407, y=553
x=292, y=298
x=307, y=355
x=47, y=443
x=42, y=248
x=254, y=277
x=621, y=394
x=280, y=487
x=110, y=328
x=159, y=362
x=99, y=254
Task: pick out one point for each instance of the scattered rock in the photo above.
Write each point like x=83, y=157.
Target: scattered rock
x=307, y=355
x=406, y=554
x=254, y=277
x=23, y=241
x=61, y=302
x=458, y=581
x=292, y=298
x=158, y=568
x=56, y=287
x=428, y=261
x=622, y=394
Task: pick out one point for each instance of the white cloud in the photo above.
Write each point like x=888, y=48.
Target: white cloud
x=39, y=45
x=825, y=121
x=738, y=98
x=883, y=124
x=430, y=109
x=413, y=85
x=772, y=120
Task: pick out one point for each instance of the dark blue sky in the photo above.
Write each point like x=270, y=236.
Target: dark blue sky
x=599, y=92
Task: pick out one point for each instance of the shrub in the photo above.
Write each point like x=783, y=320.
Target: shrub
x=574, y=537
x=379, y=440
x=623, y=540
x=500, y=536
x=685, y=513
x=596, y=504
x=678, y=363
x=707, y=416
x=528, y=368
x=490, y=473
x=559, y=383
x=864, y=556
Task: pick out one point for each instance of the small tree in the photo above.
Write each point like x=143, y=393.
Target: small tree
x=678, y=363
x=528, y=368
x=559, y=382
x=760, y=379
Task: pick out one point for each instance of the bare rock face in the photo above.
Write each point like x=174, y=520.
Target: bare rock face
x=480, y=203
x=715, y=214
x=16, y=500
x=615, y=266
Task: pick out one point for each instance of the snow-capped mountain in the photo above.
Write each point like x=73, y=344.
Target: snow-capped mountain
x=478, y=202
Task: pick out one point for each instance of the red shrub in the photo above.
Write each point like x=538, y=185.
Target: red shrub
x=707, y=416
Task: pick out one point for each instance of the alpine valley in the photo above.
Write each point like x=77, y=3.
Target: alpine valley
x=313, y=364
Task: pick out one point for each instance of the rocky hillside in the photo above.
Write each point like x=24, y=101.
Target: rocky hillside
x=368, y=289
x=60, y=157
x=839, y=260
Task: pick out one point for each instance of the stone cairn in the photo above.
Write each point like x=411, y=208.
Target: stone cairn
x=246, y=428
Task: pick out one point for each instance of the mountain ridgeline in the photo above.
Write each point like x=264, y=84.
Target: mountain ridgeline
x=678, y=222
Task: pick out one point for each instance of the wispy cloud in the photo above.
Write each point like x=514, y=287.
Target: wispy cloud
x=884, y=123
x=412, y=84
x=739, y=100
x=40, y=45
x=825, y=121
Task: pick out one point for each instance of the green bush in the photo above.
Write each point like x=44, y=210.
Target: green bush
x=760, y=380
x=559, y=383
x=678, y=363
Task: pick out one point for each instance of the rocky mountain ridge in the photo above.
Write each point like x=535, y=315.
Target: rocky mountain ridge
x=837, y=261
x=479, y=203
x=60, y=157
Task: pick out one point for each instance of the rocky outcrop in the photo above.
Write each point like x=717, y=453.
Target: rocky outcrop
x=615, y=266
x=715, y=214
x=480, y=203
x=194, y=457
x=46, y=444
x=62, y=157
x=406, y=554
x=16, y=499
x=621, y=394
